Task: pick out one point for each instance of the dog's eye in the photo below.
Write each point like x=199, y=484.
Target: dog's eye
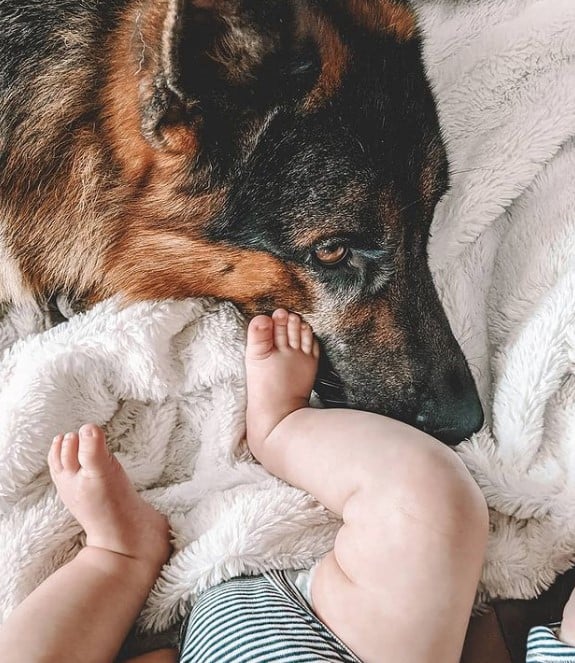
x=330, y=256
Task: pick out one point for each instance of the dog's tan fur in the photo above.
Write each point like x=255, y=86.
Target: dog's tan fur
x=144, y=263
x=385, y=16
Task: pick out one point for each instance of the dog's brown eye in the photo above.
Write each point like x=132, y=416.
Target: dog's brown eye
x=331, y=255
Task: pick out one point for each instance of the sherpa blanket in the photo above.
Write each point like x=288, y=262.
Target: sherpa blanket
x=166, y=382
x=166, y=379
x=503, y=255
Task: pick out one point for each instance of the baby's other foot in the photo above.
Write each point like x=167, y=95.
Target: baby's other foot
x=97, y=491
x=281, y=363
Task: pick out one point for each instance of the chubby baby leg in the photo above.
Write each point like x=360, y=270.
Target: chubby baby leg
x=400, y=582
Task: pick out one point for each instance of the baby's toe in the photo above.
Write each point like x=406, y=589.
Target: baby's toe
x=316, y=350
x=306, y=338
x=280, y=318
x=69, y=453
x=93, y=453
x=294, y=331
x=55, y=455
x=260, y=338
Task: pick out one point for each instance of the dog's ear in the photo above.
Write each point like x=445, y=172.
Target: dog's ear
x=215, y=66
x=393, y=17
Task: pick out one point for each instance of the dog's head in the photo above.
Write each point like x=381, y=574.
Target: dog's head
x=309, y=161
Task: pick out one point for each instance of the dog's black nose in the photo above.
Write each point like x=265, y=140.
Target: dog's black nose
x=451, y=418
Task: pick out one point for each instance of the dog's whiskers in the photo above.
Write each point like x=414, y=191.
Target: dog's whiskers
x=409, y=205
x=333, y=401
x=329, y=383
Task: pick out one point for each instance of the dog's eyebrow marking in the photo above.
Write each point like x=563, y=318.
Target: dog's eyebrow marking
x=385, y=16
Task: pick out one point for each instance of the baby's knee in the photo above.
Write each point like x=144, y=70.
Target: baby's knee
x=428, y=493
x=442, y=488
x=452, y=499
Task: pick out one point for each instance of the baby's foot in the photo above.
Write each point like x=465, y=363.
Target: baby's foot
x=281, y=363
x=98, y=493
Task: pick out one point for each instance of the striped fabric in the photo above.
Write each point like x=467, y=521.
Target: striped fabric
x=260, y=619
x=543, y=646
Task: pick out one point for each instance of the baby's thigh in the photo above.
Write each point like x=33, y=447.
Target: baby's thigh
x=407, y=559
x=260, y=618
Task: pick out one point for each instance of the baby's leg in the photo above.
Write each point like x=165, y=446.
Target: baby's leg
x=83, y=612
x=400, y=582
x=567, y=633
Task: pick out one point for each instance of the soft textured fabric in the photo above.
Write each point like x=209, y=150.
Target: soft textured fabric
x=503, y=256
x=302, y=579
x=260, y=619
x=166, y=379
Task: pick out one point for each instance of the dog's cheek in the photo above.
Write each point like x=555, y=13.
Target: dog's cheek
x=433, y=179
x=371, y=325
x=156, y=265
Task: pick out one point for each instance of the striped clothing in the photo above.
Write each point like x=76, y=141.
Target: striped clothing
x=266, y=619
x=260, y=619
x=543, y=646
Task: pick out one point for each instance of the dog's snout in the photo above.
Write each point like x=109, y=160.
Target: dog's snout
x=453, y=413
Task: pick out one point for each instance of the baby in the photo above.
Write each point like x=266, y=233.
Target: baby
x=398, y=585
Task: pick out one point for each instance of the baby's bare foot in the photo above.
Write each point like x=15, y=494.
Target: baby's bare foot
x=281, y=363
x=98, y=493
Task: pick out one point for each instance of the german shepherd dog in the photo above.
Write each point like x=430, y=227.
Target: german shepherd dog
x=268, y=152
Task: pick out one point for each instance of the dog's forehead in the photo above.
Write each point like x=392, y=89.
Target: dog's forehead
x=308, y=182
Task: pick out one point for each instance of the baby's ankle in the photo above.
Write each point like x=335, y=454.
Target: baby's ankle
x=141, y=570
x=145, y=540
x=263, y=443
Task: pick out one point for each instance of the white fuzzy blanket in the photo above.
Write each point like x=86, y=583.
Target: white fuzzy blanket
x=503, y=255
x=166, y=379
